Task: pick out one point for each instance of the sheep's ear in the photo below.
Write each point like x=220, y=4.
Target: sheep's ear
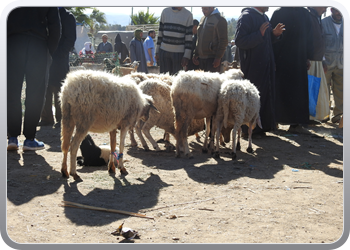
x=152, y=106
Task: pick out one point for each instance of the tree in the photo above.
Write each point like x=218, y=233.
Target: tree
x=144, y=18
x=231, y=29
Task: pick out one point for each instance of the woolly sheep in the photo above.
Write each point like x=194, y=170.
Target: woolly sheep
x=99, y=102
x=160, y=92
x=194, y=96
x=238, y=104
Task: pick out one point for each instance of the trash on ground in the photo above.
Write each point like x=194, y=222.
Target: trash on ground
x=126, y=232
x=295, y=170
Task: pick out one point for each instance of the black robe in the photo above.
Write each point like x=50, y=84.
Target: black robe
x=257, y=62
x=291, y=54
x=120, y=47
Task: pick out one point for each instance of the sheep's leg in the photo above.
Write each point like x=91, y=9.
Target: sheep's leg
x=222, y=142
x=113, y=144
x=123, y=132
x=76, y=141
x=185, y=139
x=234, y=132
x=250, y=132
x=180, y=136
x=169, y=147
x=132, y=138
x=207, y=132
x=146, y=130
x=139, y=134
x=212, y=136
x=239, y=133
x=218, y=138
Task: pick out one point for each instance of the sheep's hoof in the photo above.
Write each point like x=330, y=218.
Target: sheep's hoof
x=189, y=156
x=111, y=170
x=249, y=150
x=76, y=178
x=223, y=144
x=146, y=148
x=216, y=155
x=238, y=147
x=204, y=150
x=134, y=145
x=161, y=141
x=234, y=156
x=177, y=155
x=123, y=171
x=65, y=174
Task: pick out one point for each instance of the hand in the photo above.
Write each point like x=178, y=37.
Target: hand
x=184, y=62
x=308, y=64
x=156, y=57
x=216, y=62
x=264, y=27
x=278, y=30
x=195, y=60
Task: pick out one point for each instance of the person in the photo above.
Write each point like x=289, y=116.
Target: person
x=121, y=48
x=212, y=40
x=333, y=61
x=59, y=69
x=175, y=26
x=33, y=34
x=137, y=52
x=254, y=38
x=292, y=56
x=148, y=45
x=190, y=65
x=316, y=68
x=104, y=46
x=86, y=50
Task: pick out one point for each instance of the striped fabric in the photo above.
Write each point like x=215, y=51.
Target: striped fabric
x=175, y=31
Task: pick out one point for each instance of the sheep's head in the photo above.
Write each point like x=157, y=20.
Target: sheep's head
x=149, y=105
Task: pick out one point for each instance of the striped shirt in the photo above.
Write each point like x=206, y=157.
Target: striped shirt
x=175, y=31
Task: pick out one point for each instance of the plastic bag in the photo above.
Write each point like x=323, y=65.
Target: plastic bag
x=314, y=88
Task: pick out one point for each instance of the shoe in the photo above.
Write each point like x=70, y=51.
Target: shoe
x=33, y=145
x=45, y=123
x=299, y=130
x=336, y=118
x=12, y=144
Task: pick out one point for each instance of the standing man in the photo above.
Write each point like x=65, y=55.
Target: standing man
x=292, y=56
x=148, y=45
x=104, y=46
x=173, y=49
x=212, y=40
x=59, y=69
x=33, y=34
x=254, y=38
x=316, y=68
x=137, y=52
x=333, y=62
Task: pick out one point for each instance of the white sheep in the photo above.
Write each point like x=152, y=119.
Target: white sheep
x=238, y=104
x=160, y=92
x=194, y=96
x=99, y=102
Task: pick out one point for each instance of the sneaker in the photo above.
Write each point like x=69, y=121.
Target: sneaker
x=12, y=144
x=32, y=145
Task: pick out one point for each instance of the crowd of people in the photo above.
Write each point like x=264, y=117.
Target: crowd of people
x=276, y=55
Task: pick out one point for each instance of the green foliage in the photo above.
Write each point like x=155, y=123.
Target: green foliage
x=231, y=29
x=144, y=18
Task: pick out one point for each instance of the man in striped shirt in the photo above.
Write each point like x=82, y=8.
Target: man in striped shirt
x=174, y=41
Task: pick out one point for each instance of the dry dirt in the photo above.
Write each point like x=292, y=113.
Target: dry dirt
x=289, y=190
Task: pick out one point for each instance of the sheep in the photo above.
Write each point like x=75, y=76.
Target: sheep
x=238, y=104
x=99, y=102
x=160, y=92
x=194, y=96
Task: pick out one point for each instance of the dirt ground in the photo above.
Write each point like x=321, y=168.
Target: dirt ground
x=289, y=190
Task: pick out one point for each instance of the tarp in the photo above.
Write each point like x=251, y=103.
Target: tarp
x=82, y=38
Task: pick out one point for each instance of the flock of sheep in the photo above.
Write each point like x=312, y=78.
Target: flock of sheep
x=100, y=102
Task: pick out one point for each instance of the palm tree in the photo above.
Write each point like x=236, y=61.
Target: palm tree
x=144, y=18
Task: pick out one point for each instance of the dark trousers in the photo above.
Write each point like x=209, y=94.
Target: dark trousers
x=46, y=114
x=207, y=65
x=27, y=57
x=170, y=62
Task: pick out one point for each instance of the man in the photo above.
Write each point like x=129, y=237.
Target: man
x=32, y=38
x=212, y=40
x=292, y=56
x=173, y=49
x=104, y=46
x=316, y=68
x=59, y=69
x=333, y=62
x=254, y=37
x=148, y=45
x=137, y=52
